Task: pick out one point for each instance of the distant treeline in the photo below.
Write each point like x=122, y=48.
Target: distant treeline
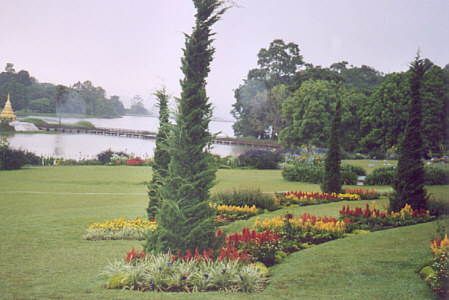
x=292, y=101
x=30, y=96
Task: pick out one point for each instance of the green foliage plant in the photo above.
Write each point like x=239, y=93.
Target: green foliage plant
x=242, y=197
x=409, y=185
x=259, y=159
x=332, y=170
x=161, y=155
x=381, y=176
x=184, y=218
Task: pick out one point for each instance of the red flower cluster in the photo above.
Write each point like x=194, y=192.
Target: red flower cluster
x=252, y=237
x=135, y=256
x=197, y=257
x=316, y=195
x=359, y=212
x=135, y=161
x=308, y=217
x=361, y=192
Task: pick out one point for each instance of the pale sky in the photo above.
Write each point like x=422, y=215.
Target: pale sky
x=132, y=47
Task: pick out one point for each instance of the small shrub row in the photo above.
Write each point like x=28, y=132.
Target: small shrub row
x=313, y=173
x=244, y=197
x=259, y=159
x=387, y=175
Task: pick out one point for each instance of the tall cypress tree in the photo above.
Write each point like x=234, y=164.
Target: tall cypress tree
x=332, y=174
x=161, y=155
x=184, y=218
x=409, y=184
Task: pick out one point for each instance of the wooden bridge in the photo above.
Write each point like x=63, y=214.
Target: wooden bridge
x=144, y=134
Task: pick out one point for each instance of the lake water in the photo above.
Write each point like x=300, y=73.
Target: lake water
x=84, y=146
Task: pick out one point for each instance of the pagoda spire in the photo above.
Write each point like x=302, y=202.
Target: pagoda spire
x=7, y=113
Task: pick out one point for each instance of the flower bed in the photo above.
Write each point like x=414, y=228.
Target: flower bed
x=364, y=194
x=372, y=219
x=436, y=273
x=303, y=198
x=120, y=229
x=298, y=233
x=188, y=273
x=228, y=213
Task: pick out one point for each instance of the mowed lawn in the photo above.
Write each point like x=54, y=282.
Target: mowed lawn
x=45, y=211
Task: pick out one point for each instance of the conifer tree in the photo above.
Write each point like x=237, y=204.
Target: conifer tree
x=184, y=219
x=332, y=174
x=409, y=184
x=161, y=155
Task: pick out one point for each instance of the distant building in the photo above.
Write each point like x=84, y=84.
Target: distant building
x=7, y=113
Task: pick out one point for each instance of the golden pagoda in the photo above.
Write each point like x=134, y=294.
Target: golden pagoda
x=7, y=113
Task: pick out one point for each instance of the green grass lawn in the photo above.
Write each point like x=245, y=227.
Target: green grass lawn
x=45, y=211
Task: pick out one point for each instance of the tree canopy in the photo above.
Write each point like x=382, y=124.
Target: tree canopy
x=29, y=95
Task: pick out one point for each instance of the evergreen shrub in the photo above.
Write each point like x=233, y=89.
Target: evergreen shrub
x=244, y=197
x=381, y=176
x=259, y=159
x=347, y=176
x=359, y=171
x=436, y=176
x=304, y=173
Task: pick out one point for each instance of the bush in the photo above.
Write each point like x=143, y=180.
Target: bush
x=438, y=207
x=245, y=197
x=381, y=176
x=359, y=171
x=84, y=124
x=303, y=173
x=12, y=159
x=436, y=176
x=4, y=126
x=259, y=159
x=105, y=156
x=347, y=176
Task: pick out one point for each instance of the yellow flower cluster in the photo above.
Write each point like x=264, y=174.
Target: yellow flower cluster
x=405, y=213
x=277, y=224
x=234, y=209
x=352, y=197
x=439, y=246
x=303, y=199
x=122, y=224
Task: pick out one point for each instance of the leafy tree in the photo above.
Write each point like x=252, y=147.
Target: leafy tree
x=332, y=177
x=273, y=108
x=279, y=62
x=184, y=218
x=314, y=73
x=137, y=107
x=307, y=114
x=161, y=154
x=435, y=107
x=384, y=117
x=250, y=99
x=61, y=92
x=276, y=65
x=409, y=184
